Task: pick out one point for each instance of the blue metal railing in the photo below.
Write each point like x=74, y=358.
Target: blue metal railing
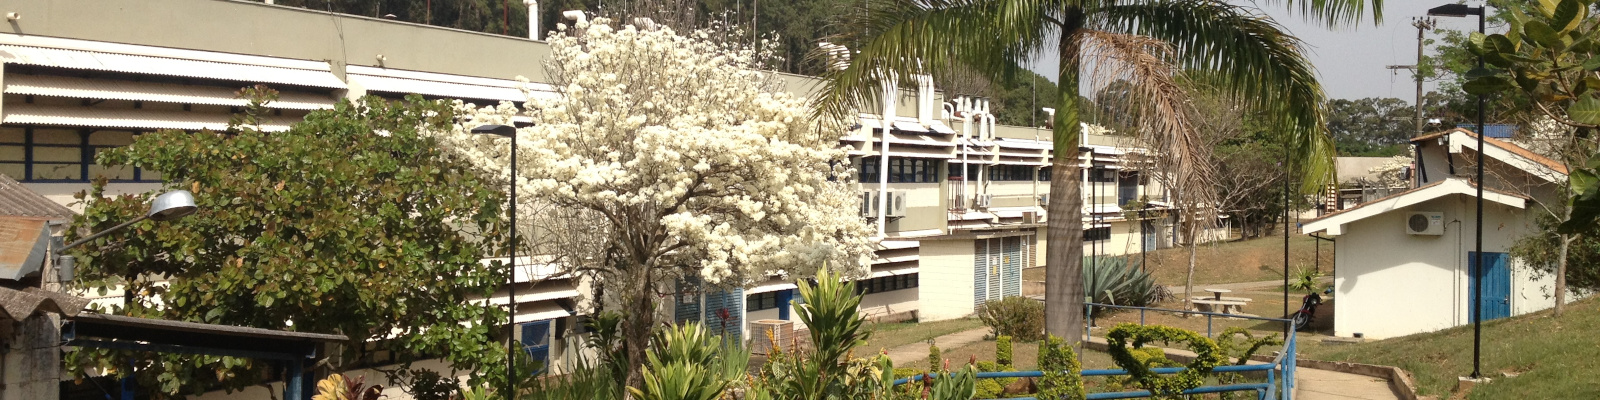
x=1280, y=372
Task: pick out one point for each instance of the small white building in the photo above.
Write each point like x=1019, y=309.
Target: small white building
x=1405, y=261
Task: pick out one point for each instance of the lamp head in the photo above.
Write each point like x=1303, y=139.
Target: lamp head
x=172, y=205
x=1455, y=10
x=497, y=130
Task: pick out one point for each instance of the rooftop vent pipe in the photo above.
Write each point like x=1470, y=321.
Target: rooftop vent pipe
x=533, y=18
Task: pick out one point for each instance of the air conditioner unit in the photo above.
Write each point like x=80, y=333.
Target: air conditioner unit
x=869, y=203
x=983, y=200
x=1044, y=200
x=767, y=334
x=897, y=204
x=1425, y=223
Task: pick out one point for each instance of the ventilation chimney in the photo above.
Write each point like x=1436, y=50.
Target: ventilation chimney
x=925, y=100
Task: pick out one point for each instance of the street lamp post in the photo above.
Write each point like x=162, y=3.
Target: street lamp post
x=511, y=277
x=168, y=206
x=1462, y=10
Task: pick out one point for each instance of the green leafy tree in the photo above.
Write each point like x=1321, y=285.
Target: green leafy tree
x=1550, y=56
x=351, y=222
x=1145, y=42
x=1371, y=127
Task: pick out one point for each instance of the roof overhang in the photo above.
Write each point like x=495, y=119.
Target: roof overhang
x=1334, y=223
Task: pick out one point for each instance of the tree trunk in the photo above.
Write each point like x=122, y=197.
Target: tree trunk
x=1194, y=246
x=1063, y=305
x=1561, y=271
x=640, y=305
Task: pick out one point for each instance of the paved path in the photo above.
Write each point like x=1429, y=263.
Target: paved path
x=1316, y=384
x=919, y=351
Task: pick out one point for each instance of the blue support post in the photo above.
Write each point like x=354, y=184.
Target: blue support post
x=294, y=381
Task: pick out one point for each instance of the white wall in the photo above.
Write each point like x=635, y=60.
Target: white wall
x=885, y=303
x=946, y=279
x=1390, y=283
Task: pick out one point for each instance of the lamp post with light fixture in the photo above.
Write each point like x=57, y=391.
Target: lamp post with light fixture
x=508, y=131
x=1462, y=10
x=169, y=206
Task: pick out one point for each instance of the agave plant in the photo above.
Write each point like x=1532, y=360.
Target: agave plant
x=1117, y=280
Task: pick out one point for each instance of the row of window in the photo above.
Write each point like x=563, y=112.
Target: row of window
x=903, y=170
x=763, y=301
x=36, y=154
x=886, y=284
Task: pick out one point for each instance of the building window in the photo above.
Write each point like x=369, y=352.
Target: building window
x=761, y=301
x=869, y=169
x=974, y=171
x=39, y=154
x=536, y=341
x=1010, y=173
x=1044, y=174
x=886, y=284
x=1102, y=175
x=1097, y=234
x=903, y=170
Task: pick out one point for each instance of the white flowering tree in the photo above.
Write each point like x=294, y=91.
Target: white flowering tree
x=668, y=157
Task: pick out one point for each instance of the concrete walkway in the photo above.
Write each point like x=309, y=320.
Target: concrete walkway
x=919, y=351
x=1310, y=384
x=1316, y=384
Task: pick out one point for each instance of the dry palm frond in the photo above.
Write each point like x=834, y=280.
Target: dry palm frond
x=1163, y=112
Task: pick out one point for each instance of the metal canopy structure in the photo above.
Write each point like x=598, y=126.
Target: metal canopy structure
x=294, y=349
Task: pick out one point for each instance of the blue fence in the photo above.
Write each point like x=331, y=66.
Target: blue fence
x=1279, y=372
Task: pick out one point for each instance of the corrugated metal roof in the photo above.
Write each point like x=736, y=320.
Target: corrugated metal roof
x=21, y=304
x=1497, y=131
x=120, y=118
x=85, y=88
x=114, y=62
x=19, y=201
x=375, y=83
x=24, y=243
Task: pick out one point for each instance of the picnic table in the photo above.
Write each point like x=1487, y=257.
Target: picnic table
x=1219, y=304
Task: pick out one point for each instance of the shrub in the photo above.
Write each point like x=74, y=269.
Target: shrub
x=1018, y=317
x=934, y=360
x=1063, y=375
x=1002, y=350
x=907, y=372
x=993, y=388
x=1116, y=280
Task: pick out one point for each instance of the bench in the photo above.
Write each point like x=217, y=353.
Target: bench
x=1219, y=306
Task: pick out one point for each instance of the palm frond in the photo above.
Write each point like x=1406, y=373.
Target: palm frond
x=1250, y=57
x=1333, y=12
x=1165, y=116
x=895, y=39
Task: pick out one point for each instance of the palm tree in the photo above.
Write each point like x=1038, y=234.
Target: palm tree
x=1153, y=44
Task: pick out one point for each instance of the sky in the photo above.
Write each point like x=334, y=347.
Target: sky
x=1351, y=60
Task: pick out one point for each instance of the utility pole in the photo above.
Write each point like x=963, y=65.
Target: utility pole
x=1423, y=24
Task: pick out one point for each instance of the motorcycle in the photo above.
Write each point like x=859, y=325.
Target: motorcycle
x=1308, y=310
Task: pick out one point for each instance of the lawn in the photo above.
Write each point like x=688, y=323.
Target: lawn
x=1554, y=357
x=1229, y=262
x=1025, y=356
x=888, y=335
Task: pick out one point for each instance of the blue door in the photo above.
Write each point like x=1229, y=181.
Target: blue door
x=1496, y=276
x=536, y=341
x=1147, y=232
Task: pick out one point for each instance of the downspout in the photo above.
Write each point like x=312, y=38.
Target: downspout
x=891, y=91
x=964, y=105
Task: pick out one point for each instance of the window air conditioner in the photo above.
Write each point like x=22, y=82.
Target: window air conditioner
x=1425, y=223
x=869, y=203
x=983, y=200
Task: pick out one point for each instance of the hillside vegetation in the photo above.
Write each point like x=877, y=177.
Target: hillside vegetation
x=1554, y=358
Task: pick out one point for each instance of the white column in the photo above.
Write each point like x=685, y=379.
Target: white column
x=533, y=18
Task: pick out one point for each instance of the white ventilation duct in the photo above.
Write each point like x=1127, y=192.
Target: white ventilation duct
x=891, y=92
x=925, y=100
x=533, y=18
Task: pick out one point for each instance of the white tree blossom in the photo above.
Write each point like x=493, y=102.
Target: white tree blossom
x=668, y=156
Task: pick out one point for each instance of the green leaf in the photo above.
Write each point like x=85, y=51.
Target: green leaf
x=1567, y=15
x=1487, y=85
x=1592, y=64
x=1548, y=7
x=1537, y=32
x=1475, y=43
x=1585, y=110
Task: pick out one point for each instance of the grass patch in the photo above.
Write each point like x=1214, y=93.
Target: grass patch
x=1251, y=260
x=1555, y=357
x=1025, y=356
x=889, y=335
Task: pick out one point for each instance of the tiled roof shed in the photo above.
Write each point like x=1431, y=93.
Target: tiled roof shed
x=19, y=201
